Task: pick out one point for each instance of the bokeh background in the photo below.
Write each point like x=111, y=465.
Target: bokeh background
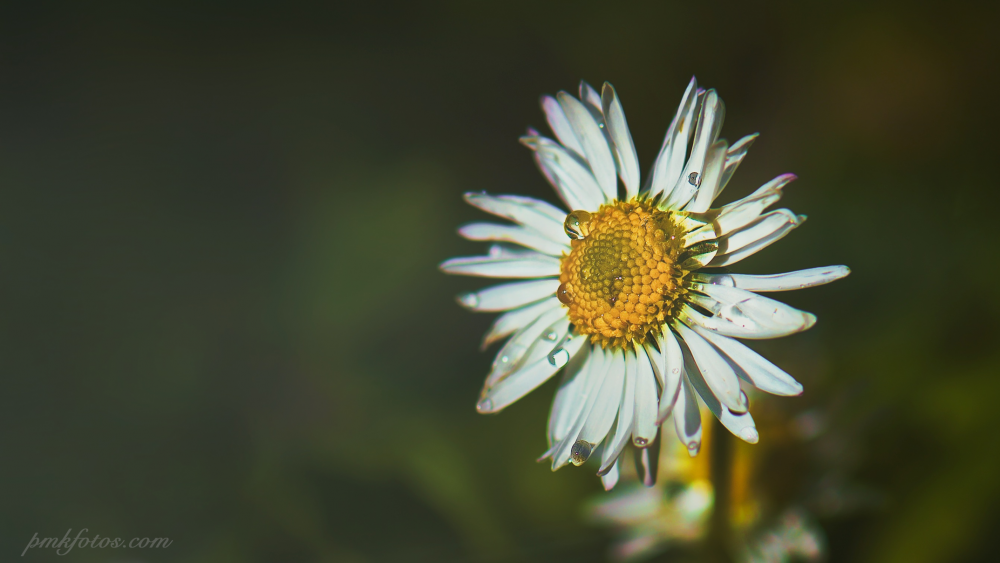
x=222, y=319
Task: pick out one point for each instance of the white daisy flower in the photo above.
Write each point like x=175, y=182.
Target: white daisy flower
x=627, y=289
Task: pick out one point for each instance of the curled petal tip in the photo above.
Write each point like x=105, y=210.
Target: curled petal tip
x=810, y=321
x=783, y=180
x=467, y=300
x=484, y=406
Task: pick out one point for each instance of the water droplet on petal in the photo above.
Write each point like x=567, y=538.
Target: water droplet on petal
x=580, y=452
x=484, y=406
x=675, y=371
x=551, y=336
x=600, y=124
x=470, y=300
x=559, y=357
x=640, y=442
x=562, y=293
x=749, y=434
x=504, y=359
x=724, y=279
x=577, y=224
x=694, y=179
x=693, y=448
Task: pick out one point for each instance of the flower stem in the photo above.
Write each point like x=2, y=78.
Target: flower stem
x=718, y=540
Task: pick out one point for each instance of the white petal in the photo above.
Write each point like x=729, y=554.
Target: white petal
x=687, y=417
x=774, y=185
x=734, y=157
x=698, y=256
x=670, y=161
x=760, y=234
x=539, y=215
x=598, y=372
x=647, y=463
x=512, y=356
x=645, y=427
x=507, y=252
x=606, y=407
x=655, y=359
x=733, y=322
x=755, y=369
x=709, y=124
x=623, y=145
x=569, y=397
x=526, y=379
x=564, y=193
x=567, y=193
x=740, y=213
x=721, y=379
x=523, y=266
x=590, y=98
x=745, y=212
x=553, y=337
x=761, y=228
x=669, y=195
x=743, y=314
x=610, y=479
x=512, y=321
x=509, y=295
x=799, y=279
x=592, y=375
x=572, y=178
x=556, y=117
x=741, y=425
x=672, y=372
x=715, y=159
x=626, y=415
x=595, y=145
x=518, y=235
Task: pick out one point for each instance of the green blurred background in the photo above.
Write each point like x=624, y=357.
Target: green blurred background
x=222, y=319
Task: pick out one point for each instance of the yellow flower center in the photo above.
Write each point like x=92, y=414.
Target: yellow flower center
x=622, y=278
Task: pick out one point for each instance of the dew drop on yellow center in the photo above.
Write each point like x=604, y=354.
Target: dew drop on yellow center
x=621, y=280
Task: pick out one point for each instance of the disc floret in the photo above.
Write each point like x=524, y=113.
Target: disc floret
x=622, y=279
